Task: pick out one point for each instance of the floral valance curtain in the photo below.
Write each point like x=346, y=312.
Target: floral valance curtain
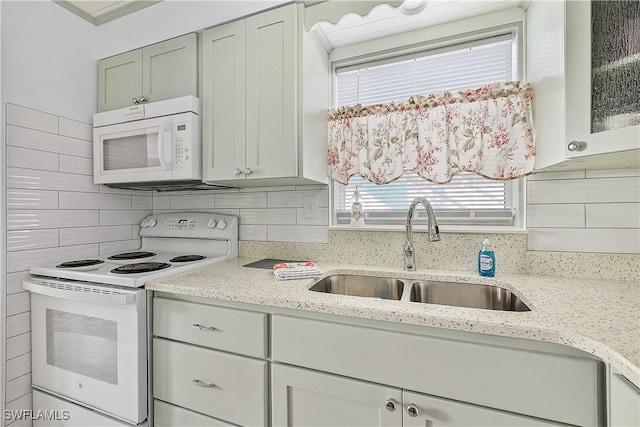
x=486, y=131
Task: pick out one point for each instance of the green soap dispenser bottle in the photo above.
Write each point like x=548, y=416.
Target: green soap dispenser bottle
x=486, y=259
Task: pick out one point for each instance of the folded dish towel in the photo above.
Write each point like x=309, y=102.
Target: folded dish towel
x=296, y=270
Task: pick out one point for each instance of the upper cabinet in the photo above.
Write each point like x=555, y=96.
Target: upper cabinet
x=265, y=93
x=583, y=60
x=161, y=71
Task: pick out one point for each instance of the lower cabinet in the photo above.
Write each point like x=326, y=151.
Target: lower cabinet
x=166, y=415
x=420, y=410
x=209, y=365
x=218, y=364
x=624, y=402
x=301, y=397
x=306, y=398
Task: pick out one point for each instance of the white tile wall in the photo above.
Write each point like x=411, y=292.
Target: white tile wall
x=45, y=141
x=265, y=214
x=18, y=345
x=31, y=199
x=23, y=403
x=594, y=211
x=32, y=119
x=54, y=213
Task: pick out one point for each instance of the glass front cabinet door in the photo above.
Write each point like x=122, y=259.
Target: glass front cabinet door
x=585, y=65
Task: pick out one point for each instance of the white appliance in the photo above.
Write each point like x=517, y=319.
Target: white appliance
x=91, y=324
x=150, y=143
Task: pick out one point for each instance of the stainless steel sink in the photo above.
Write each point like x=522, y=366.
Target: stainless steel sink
x=422, y=291
x=466, y=295
x=361, y=286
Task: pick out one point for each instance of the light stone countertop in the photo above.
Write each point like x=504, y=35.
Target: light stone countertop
x=601, y=317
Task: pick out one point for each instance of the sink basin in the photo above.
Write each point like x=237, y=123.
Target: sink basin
x=425, y=291
x=362, y=286
x=466, y=295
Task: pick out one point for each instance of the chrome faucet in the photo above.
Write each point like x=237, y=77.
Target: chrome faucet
x=432, y=225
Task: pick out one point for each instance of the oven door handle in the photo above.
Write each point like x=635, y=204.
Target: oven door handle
x=78, y=294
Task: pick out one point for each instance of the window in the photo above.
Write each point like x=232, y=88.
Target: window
x=468, y=198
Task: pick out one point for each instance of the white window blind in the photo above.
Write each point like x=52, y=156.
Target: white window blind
x=468, y=198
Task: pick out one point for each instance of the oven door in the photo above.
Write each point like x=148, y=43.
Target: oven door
x=133, y=152
x=89, y=345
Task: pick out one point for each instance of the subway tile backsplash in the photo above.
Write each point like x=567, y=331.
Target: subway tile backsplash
x=54, y=213
x=271, y=214
x=593, y=211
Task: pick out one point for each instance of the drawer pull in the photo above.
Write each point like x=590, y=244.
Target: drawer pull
x=203, y=328
x=204, y=384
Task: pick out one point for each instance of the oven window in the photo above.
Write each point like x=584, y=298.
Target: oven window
x=137, y=151
x=85, y=345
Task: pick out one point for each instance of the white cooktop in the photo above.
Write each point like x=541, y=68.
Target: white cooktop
x=214, y=236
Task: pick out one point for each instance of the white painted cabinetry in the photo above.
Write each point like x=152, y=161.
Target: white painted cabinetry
x=302, y=397
x=265, y=91
x=160, y=71
x=545, y=387
x=624, y=402
x=586, y=108
x=201, y=372
x=219, y=363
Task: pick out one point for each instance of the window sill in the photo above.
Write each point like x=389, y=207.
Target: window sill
x=493, y=229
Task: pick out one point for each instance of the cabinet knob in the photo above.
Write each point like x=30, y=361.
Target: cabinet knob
x=576, y=146
x=248, y=171
x=412, y=411
x=135, y=100
x=237, y=172
x=390, y=405
x=143, y=100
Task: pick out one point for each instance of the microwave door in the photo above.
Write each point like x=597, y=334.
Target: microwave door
x=135, y=151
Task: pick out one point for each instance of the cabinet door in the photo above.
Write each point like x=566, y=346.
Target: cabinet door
x=170, y=69
x=420, y=410
x=119, y=80
x=272, y=103
x=223, y=101
x=624, y=402
x=602, y=66
x=308, y=398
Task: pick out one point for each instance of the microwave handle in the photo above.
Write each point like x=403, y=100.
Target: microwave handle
x=78, y=295
x=165, y=128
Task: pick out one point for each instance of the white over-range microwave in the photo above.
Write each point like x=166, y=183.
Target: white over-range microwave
x=149, y=146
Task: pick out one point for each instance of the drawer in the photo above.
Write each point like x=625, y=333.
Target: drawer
x=237, y=331
x=238, y=384
x=67, y=414
x=166, y=415
x=545, y=385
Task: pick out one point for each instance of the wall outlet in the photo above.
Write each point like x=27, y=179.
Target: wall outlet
x=310, y=207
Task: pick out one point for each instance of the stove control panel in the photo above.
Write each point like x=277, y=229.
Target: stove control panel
x=190, y=225
x=181, y=223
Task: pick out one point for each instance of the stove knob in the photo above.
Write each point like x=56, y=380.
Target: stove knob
x=221, y=224
x=145, y=223
x=152, y=222
x=211, y=224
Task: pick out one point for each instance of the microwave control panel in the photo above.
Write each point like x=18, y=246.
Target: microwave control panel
x=182, y=146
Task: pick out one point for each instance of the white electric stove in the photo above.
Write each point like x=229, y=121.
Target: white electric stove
x=90, y=326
